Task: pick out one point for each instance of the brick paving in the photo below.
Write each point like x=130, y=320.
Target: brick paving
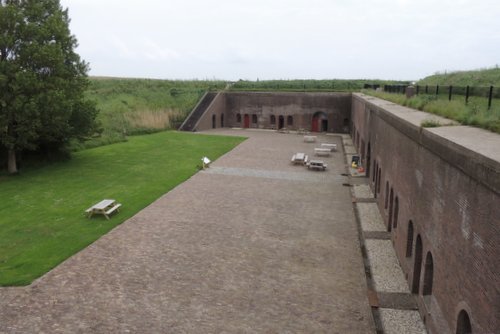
x=251, y=245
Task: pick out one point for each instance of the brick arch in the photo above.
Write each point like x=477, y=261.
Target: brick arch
x=464, y=325
x=417, y=265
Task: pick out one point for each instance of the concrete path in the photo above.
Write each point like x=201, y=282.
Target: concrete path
x=251, y=245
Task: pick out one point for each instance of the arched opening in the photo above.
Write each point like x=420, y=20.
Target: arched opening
x=221, y=120
x=319, y=122
x=368, y=160
x=428, y=275
x=374, y=175
x=214, y=122
x=386, y=194
x=409, y=239
x=417, y=266
x=391, y=205
x=289, y=121
x=272, y=121
x=396, y=212
x=281, y=122
x=254, y=119
x=463, y=323
x=246, y=121
x=379, y=177
x=238, y=118
x=345, y=125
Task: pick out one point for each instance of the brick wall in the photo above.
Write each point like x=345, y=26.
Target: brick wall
x=451, y=195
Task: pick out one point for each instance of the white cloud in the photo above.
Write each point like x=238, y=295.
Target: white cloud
x=396, y=39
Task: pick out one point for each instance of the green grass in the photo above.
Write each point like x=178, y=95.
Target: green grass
x=482, y=77
x=475, y=113
x=42, y=221
x=138, y=106
x=309, y=85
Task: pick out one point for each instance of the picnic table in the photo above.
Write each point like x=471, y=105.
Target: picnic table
x=316, y=164
x=322, y=151
x=300, y=158
x=332, y=147
x=104, y=207
x=310, y=139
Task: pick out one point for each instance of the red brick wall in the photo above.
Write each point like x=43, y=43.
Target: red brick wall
x=456, y=213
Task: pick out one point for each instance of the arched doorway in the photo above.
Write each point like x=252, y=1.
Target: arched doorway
x=417, y=266
x=246, y=121
x=221, y=120
x=409, y=239
x=319, y=122
x=428, y=275
x=281, y=122
x=272, y=121
x=214, y=122
x=463, y=323
x=368, y=161
x=391, y=207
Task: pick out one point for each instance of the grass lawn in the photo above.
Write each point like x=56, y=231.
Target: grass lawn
x=42, y=219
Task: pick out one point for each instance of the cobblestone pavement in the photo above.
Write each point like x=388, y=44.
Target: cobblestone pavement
x=253, y=244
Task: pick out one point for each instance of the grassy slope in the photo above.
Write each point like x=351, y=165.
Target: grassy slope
x=310, y=85
x=486, y=77
x=45, y=223
x=137, y=106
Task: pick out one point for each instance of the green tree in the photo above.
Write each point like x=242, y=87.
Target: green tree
x=42, y=80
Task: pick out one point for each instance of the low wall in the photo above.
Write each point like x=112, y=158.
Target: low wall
x=438, y=190
x=310, y=111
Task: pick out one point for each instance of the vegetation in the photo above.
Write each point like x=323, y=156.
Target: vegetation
x=309, y=85
x=475, y=113
x=42, y=80
x=483, y=77
x=43, y=220
x=138, y=106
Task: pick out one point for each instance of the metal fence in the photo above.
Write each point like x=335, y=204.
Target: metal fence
x=466, y=92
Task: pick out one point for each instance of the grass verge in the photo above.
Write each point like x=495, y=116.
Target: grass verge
x=43, y=222
x=475, y=113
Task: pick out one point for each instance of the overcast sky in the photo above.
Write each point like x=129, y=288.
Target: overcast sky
x=285, y=39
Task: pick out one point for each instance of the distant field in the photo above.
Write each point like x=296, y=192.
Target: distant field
x=310, y=85
x=138, y=106
x=43, y=222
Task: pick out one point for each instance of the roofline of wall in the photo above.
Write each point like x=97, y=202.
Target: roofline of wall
x=481, y=168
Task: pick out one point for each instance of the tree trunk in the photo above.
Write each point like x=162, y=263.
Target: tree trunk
x=12, y=163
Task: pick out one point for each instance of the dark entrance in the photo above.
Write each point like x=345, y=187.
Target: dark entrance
x=221, y=120
x=368, y=161
x=246, y=121
x=281, y=122
x=417, y=267
x=214, y=122
x=319, y=122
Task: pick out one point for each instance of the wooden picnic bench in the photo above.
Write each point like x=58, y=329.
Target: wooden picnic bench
x=104, y=207
x=322, y=151
x=300, y=158
x=332, y=147
x=310, y=139
x=316, y=164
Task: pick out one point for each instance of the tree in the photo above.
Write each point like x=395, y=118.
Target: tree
x=42, y=79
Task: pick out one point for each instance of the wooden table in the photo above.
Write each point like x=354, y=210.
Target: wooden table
x=310, y=139
x=322, y=151
x=300, y=158
x=316, y=164
x=104, y=207
x=332, y=147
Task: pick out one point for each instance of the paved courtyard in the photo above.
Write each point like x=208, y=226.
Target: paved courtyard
x=253, y=244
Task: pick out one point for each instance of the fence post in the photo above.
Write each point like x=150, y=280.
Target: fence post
x=437, y=90
x=489, y=97
x=467, y=95
x=449, y=93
